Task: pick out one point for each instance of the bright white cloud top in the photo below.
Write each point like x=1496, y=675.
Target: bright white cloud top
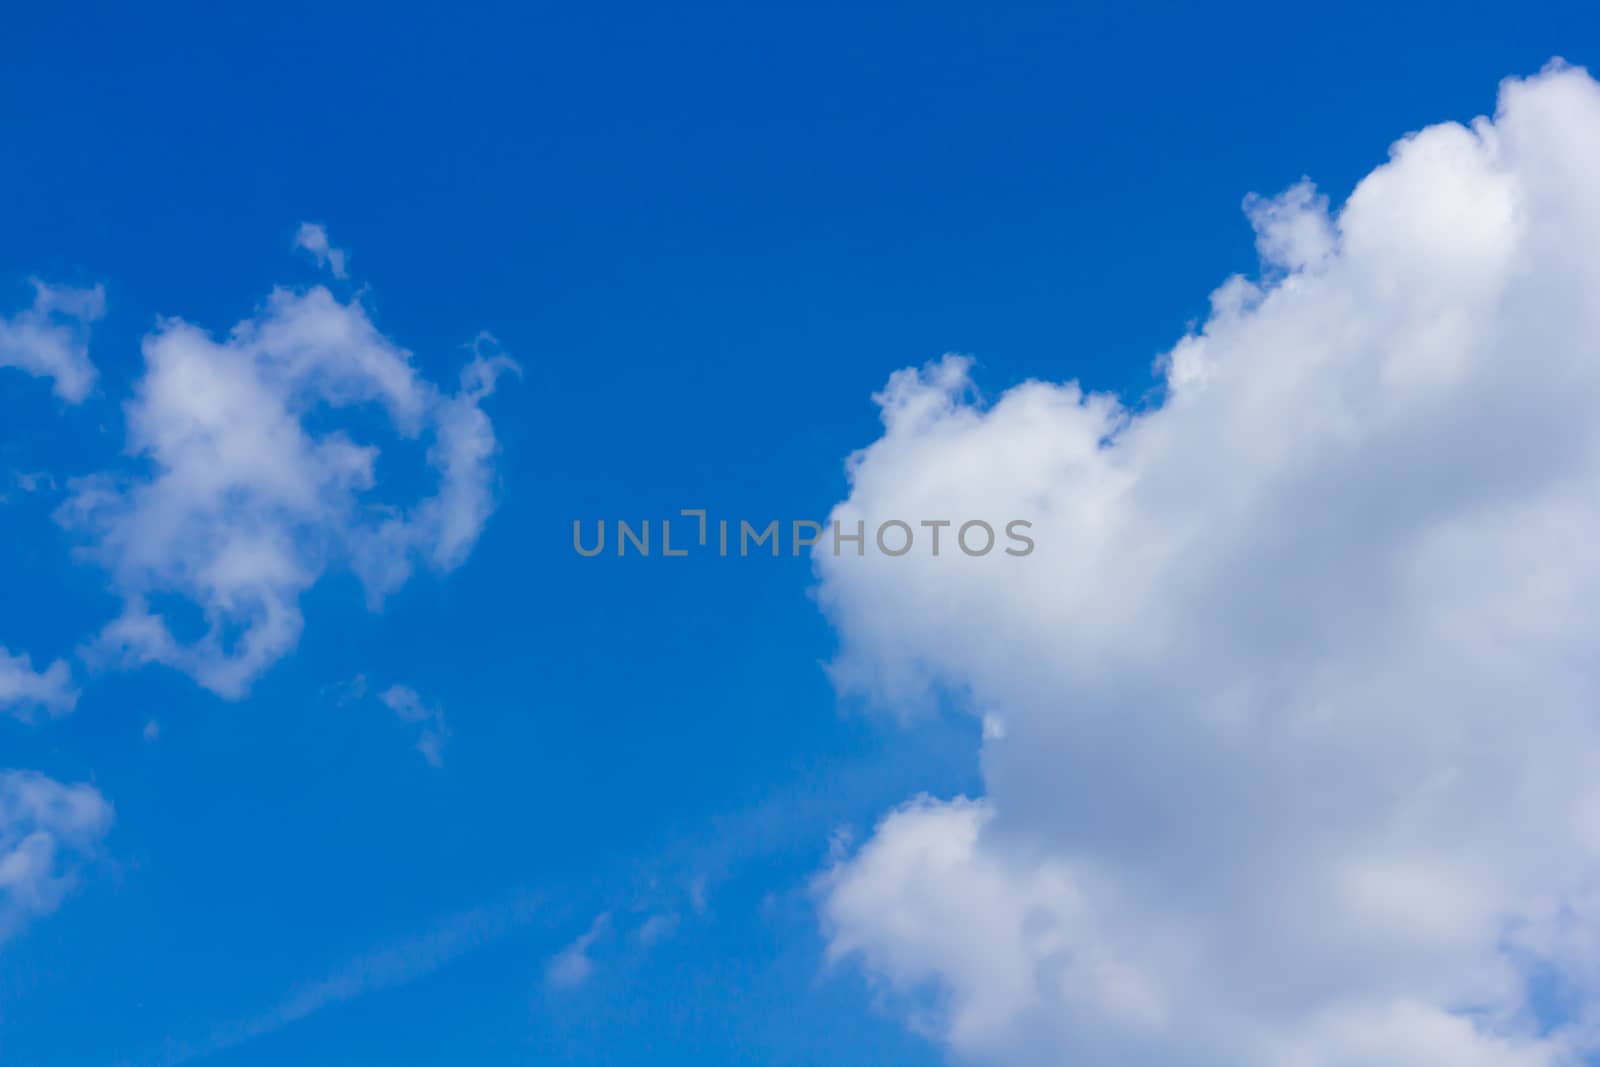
x=256, y=476
x=50, y=339
x=1296, y=753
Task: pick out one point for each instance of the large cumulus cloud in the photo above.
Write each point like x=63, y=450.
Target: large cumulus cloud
x=1294, y=746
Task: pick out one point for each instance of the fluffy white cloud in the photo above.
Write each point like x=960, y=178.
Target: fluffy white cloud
x=50, y=339
x=23, y=690
x=1291, y=752
x=46, y=830
x=257, y=475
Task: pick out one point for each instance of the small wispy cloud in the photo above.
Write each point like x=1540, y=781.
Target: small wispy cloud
x=572, y=966
x=24, y=691
x=408, y=704
x=48, y=829
x=346, y=692
x=385, y=967
x=313, y=238
x=50, y=339
x=34, y=481
x=657, y=928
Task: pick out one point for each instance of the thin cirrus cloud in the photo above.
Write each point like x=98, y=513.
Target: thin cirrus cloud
x=387, y=966
x=1294, y=757
x=573, y=965
x=47, y=830
x=253, y=480
x=50, y=338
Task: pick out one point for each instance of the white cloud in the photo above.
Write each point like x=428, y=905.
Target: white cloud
x=657, y=928
x=572, y=966
x=313, y=238
x=1299, y=765
x=995, y=931
x=348, y=691
x=46, y=830
x=50, y=339
x=410, y=707
x=24, y=691
x=34, y=482
x=255, y=476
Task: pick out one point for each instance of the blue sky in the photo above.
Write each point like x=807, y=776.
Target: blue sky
x=707, y=236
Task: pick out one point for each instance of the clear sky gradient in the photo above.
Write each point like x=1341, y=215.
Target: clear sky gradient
x=707, y=234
